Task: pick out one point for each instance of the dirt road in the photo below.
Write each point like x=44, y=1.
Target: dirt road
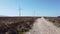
x=42, y=26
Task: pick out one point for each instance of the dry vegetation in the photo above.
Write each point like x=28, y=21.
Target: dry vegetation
x=16, y=25
x=54, y=20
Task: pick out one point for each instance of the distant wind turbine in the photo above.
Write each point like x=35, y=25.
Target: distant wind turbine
x=34, y=12
x=19, y=10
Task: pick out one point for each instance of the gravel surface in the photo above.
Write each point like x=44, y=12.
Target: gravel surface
x=42, y=26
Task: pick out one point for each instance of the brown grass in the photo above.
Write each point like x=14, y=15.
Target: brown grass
x=14, y=25
x=54, y=20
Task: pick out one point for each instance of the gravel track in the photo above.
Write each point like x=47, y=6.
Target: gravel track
x=42, y=26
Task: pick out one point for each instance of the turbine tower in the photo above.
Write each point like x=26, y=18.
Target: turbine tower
x=34, y=12
x=19, y=10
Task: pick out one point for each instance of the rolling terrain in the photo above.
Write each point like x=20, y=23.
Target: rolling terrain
x=29, y=25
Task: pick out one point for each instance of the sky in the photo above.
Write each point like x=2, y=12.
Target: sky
x=30, y=7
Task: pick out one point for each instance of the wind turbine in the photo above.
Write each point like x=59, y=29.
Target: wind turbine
x=34, y=13
x=19, y=10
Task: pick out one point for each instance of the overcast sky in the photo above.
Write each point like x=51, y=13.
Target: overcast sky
x=41, y=7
